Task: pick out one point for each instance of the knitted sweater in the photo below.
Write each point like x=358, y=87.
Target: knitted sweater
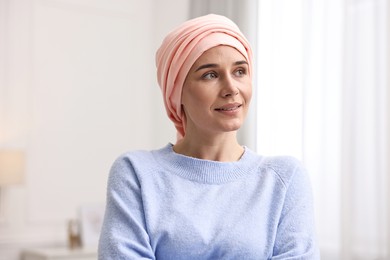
x=163, y=205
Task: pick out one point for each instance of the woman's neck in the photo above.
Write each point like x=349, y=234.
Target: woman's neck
x=224, y=149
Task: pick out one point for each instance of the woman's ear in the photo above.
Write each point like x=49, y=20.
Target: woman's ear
x=183, y=114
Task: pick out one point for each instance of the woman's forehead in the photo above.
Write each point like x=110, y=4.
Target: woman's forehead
x=218, y=53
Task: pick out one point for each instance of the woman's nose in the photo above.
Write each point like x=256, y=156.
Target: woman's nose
x=229, y=87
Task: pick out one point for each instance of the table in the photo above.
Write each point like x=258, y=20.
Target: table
x=60, y=253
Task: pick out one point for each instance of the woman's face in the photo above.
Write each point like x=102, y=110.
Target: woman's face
x=217, y=92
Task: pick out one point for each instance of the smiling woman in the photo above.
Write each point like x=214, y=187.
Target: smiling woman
x=216, y=96
x=207, y=196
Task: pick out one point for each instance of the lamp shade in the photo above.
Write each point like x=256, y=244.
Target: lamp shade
x=11, y=167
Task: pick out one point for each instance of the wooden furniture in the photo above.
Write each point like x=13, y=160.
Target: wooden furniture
x=60, y=253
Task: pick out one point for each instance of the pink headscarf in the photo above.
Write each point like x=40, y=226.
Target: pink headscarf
x=182, y=47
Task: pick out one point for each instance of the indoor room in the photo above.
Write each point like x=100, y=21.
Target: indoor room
x=79, y=87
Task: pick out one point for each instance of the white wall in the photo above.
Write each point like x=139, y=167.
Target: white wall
x=77, y=88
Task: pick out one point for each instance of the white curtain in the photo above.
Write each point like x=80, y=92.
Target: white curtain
x=364, y=183
x=323, y=96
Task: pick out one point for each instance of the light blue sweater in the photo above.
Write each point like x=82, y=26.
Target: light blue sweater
x=163, y=205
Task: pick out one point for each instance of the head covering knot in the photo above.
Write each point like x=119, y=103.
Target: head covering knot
x=182, y=47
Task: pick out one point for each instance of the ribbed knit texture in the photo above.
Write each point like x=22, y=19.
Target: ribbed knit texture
x=163, y=205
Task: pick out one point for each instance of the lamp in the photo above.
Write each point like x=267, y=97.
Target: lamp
x=11, y=167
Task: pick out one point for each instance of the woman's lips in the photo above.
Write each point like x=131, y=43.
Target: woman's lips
x=229, y=107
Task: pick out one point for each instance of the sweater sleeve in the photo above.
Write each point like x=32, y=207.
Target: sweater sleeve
x=123, y=234
x=295, y=238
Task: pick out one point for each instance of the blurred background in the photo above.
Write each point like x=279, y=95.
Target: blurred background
x=78, y=87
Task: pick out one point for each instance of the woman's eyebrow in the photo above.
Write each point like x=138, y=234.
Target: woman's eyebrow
x=241, y=62
x=207, y=66
x=214, y=65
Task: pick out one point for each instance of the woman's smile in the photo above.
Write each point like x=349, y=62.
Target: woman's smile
x=229, y=109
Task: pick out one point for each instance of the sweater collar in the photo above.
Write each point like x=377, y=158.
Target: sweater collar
x=206, y=171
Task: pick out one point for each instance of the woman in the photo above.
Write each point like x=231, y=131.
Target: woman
x=207, y=197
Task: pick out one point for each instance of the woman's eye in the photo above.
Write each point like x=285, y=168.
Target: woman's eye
x=209, y=75
x=240, y=72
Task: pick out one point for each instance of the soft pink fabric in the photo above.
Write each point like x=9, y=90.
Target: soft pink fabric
x=182, y=47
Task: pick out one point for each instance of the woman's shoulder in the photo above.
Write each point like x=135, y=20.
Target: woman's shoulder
x=137, y=155
x=134, y=160
x=285, y=167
